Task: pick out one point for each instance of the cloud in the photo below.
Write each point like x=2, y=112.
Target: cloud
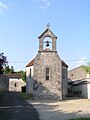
x=3, y=6
x=82, y=61
x=43, y=4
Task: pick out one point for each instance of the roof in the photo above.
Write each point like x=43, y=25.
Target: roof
x=77, y=82
x=64, y=64
x=31, y=63
x=14, y=75
x=76, y=67
x=47, y=30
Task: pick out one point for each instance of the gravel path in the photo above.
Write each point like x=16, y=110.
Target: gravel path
x=62, y=110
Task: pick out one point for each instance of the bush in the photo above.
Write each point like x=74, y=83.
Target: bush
x=25, y=97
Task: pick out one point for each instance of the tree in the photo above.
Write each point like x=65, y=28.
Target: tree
x=23, y=73
x=12, y=69
x=87, y=68
x=3, y=62
x=6, y=69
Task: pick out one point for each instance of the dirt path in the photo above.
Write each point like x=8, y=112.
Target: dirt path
x=62, y=110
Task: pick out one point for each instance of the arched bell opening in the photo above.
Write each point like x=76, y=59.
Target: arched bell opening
x=47, y=43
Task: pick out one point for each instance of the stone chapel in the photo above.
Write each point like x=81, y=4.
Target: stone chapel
x=46, y=74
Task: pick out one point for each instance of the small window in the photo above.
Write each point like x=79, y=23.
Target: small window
x=71, y=74
x=47, y=73
x=15, y=85
x=30, y=73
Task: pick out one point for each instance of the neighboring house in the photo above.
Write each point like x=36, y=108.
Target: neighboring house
x=4, y=83
x=15, y=82
x=46, y=74
x=79, y=82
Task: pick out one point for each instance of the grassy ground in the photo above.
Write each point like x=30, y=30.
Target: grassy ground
x=80, y=119
x=25, y=97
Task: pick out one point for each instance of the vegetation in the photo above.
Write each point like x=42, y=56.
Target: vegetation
x=87, y=68
x=25, y=97
x=80, y=119
x=8, y=70
x=23, y=73
x=4, y=68
x=3, y=62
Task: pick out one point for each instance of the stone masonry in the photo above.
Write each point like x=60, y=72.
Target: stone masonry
x=44, y=73
x=48, y=88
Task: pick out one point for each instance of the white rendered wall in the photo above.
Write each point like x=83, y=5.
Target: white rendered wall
x=89, y=91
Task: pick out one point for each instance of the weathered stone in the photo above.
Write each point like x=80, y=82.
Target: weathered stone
x=48, y=82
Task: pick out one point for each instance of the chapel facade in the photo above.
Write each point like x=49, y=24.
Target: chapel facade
x=46, y=74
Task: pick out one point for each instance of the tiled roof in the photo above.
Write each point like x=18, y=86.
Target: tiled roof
x=64, y=64
x=14, y=75
x=31, y=63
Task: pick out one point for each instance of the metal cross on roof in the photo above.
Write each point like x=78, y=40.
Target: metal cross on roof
x=48, y=25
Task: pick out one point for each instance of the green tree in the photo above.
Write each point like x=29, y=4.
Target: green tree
x=23, y=73
x=12, y=69
x=6, y=69
x=3, y=62
x=87, y=68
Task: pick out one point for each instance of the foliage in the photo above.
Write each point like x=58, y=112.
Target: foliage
x=80, y=119
x=8, y=70
x=87, y=68
x=12, y=69
x=3, y=62
x=23, y=73
x=25, y=97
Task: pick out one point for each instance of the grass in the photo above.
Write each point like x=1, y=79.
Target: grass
x=25, y=97
x=80, y=119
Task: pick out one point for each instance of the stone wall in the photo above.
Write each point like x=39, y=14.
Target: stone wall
x=15, y=84
x=4, y=83
x=51, y=88
x=64, y=81
x=77, y=73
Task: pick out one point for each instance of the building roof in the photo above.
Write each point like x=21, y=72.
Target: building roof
x=14, y=75
x=47, y=30
x=77, y=67
x=78, y=82
x=64, y=64
x=31, y=63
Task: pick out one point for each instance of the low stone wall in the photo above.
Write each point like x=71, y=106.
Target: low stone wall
x=4, y=83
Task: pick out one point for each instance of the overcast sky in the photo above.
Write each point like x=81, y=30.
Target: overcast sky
x=22, y=21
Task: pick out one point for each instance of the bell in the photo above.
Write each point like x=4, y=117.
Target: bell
x=47, y=43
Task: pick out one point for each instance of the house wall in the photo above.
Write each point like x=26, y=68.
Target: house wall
x=29, y=80
x=64, y=81
x=88, y=90
x=4, y=83
x=80, y=74
x=84, y=90
x=28, y=71
x=15, y=84
x=77, y=73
